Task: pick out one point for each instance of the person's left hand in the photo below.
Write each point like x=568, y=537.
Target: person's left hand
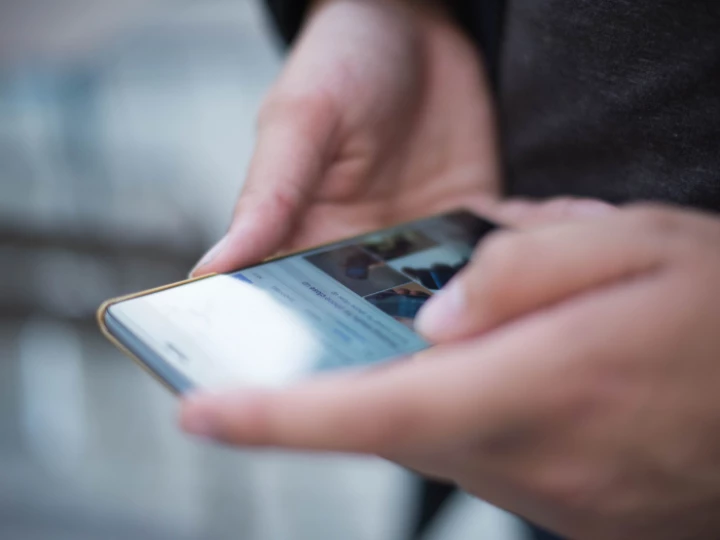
x=576, y=382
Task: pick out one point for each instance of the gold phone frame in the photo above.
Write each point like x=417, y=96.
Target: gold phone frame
x=102, y=312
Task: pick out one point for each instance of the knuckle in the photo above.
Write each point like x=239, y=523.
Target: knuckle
x=656, y=219
x=665, y=232
x=285, y=198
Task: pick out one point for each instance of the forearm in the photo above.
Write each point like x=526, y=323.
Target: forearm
x=290, y=16
x=419, y=3
x=480, y=22
x=437, y=6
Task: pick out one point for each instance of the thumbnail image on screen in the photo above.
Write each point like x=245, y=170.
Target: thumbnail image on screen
x=398, y=271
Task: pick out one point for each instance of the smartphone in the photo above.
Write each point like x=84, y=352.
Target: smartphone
x=346, y=305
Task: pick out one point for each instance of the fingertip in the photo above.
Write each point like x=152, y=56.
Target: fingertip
x=200, y=271
x=198, y=417
x=443, y=313
x=212, y=254
x=247, y=242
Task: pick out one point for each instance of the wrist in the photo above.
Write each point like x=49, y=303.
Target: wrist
x=437, y=7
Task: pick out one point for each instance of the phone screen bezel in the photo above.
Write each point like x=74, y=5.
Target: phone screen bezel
x=158, y=366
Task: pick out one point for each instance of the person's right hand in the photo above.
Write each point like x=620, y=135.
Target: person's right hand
x=382, y=115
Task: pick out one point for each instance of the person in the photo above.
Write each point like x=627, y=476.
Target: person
x=576, y=366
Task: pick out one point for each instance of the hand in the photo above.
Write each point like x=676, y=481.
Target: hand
x=577, y=384
x=382, y=115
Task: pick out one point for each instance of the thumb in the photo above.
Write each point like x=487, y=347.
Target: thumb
x=525, y=213
x=293, y=144
x=521, y=271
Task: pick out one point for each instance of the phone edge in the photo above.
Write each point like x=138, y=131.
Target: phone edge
x=360, y=236
x=146, y=364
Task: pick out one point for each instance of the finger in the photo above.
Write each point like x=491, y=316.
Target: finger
x=293, y=146
x=480, y=391
x=406, y=405
x=340, y=413
x=518, y=272
x=527, y=213
x=563, y=451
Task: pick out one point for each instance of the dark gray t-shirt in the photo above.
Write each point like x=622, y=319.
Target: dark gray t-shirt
x=616, y=99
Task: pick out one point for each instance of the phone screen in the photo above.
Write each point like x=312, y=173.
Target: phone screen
x=346, y=305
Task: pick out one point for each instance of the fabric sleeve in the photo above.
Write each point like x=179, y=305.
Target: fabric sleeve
x=288, y=17
x=482, y=20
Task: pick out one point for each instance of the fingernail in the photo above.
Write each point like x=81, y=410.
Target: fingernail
x=210, y=255
x=442, y=311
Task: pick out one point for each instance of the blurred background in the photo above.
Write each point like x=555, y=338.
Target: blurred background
x=125, y=129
